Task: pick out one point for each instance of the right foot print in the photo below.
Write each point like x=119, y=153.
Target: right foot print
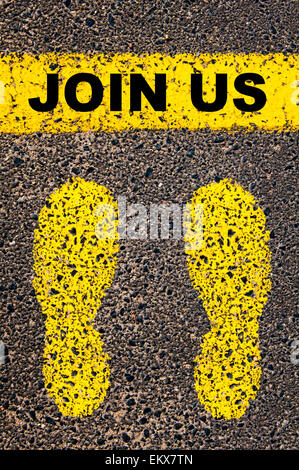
x=230, y=270
x=73, y=267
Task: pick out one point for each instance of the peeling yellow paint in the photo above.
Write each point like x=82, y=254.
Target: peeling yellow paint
x=231, y=272
x=73, y=267
x=24, y=77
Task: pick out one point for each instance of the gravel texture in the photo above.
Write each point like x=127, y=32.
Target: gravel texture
x=151, y=319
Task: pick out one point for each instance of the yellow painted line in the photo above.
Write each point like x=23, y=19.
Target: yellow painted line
x=2, y=93
x=73, y=267
x=295, y=94
x=231, y=272
x=25, y=78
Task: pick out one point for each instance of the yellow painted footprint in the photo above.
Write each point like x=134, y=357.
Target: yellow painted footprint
x=73, y=266
x=230, y=269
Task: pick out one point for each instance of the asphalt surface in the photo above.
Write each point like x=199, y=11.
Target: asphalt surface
x=151, y=319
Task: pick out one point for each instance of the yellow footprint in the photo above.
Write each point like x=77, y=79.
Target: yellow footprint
x=73, y=266
x=230, y=270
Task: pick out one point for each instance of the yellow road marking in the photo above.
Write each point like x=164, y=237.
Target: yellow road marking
x=73, y=268
x=2, y=93
x=231, y=272
x=295, y=94
x=25, y=77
